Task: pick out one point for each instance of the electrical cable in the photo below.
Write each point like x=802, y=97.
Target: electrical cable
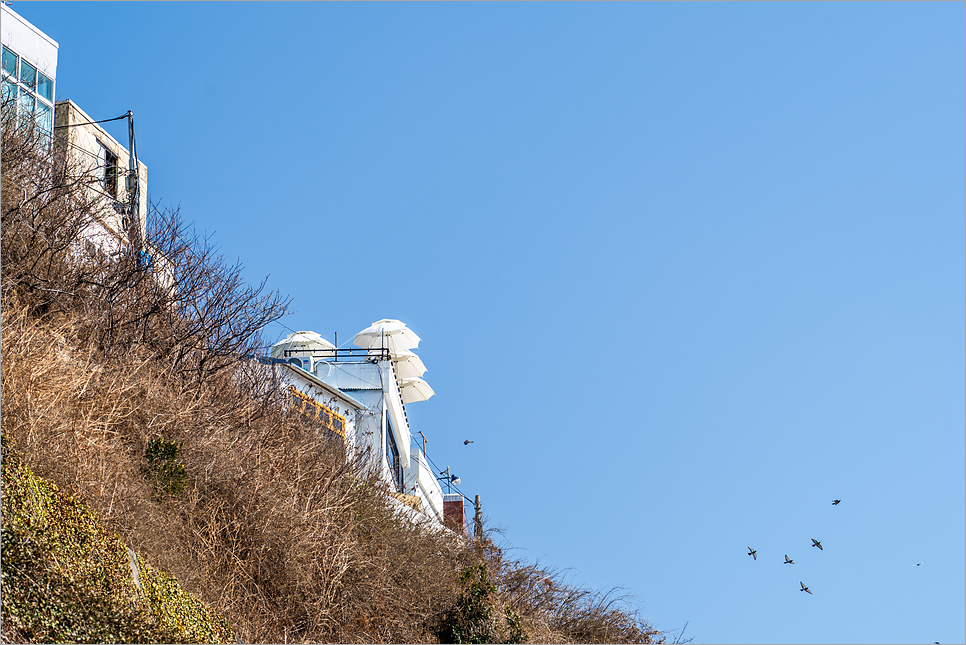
x=74, y=125
x=440, y=470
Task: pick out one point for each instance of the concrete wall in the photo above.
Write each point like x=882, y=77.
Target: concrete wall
x=81, y=146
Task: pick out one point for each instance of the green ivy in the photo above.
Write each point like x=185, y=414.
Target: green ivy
x=474, y=609
x=66, y=579
x=475, y=617
x=515, y=633
x=178, y=611
x=42, y=603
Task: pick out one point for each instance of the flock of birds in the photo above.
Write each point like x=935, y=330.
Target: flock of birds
x=754, y=554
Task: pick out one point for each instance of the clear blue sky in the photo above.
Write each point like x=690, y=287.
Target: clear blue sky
x=685, y=273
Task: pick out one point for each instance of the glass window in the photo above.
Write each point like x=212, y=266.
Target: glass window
x=28, y=74
x=9, y=62
x=45, y=118
x=9, y=91
x=45, y=87
x=100, y=171
x=110, y=174
x=392, y=456
x=26, y=105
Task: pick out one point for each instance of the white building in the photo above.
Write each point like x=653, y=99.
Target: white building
x=29, y=70
x=373, y=384
x=118, y=189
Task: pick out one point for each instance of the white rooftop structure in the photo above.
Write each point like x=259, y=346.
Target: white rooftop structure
x=382, y=377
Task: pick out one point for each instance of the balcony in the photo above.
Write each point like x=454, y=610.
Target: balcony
x=326, y=419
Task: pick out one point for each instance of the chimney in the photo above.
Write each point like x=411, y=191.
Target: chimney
x=453, y=516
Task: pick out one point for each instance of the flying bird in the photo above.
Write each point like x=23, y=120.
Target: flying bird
x=804, y=588
x=835, y=502
x=789, y=560
x=467, y=442
x=752, y=553
x=818, y=544
x=918, y=563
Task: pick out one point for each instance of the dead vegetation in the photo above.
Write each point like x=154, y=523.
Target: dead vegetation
x=275, y=527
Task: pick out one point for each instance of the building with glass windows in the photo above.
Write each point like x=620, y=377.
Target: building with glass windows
x=29, y=71
x=86, y=151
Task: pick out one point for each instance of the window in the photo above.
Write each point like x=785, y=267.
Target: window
x=10, y=62
x=26, y=105
x=107, y=170
x=33, y=97
x=9, y=91
x=45, y=118
x=28, y=74
x=392, y=456
x=45, y=87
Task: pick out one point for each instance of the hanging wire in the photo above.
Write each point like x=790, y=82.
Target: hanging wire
x=74, y=125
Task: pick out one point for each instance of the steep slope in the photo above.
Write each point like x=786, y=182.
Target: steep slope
x=65, y=578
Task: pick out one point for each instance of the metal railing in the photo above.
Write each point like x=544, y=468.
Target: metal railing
x=347, y=354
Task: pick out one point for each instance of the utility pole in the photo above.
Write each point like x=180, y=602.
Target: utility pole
x=477, y=519
x=133, y=188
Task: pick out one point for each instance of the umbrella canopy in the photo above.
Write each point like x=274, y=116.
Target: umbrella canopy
x=392, y=334
x=415, y=389
x=408, y=365
x=300, y=341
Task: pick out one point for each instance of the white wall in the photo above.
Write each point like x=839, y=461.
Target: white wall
x=37, y=47
x=397, y=414
x=421, y=477
x=353, y=411
x=374, y=385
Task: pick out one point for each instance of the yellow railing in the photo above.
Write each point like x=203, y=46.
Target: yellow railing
x=318, y=413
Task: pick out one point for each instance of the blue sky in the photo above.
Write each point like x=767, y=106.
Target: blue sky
x=685, y=273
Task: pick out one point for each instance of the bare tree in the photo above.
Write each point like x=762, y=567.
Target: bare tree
x=181, y=301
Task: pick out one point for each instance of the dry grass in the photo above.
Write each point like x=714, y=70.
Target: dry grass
x=276, y=528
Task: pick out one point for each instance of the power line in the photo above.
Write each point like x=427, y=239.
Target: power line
x=74, y=125
x=440, y=470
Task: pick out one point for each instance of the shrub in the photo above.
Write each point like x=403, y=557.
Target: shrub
x=66, y=579
x=170, y=476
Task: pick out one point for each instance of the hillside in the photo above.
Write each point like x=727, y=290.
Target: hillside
x=135, y=406
x=66, y=579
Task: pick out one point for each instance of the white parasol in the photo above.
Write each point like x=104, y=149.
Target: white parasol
x=388, y=333
x=415, y=389
x=408, y=365
x=300, y=341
